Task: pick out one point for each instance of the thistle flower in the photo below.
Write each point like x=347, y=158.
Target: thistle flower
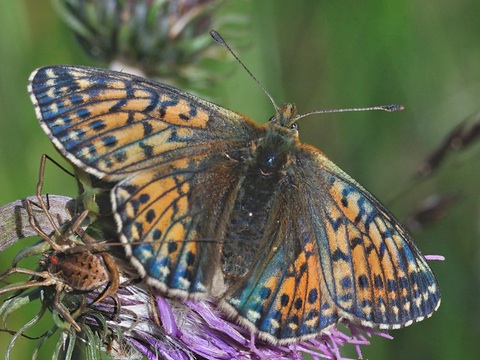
x=161, y=39
x=175, y=329
x=137, y=322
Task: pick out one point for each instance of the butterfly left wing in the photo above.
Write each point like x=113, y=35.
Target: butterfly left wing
x=114, y=124
x=163, y=215
x=331, y=251
x=155, y=142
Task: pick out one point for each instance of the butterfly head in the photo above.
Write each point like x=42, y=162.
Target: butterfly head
x=286, y=118
x=272, y=153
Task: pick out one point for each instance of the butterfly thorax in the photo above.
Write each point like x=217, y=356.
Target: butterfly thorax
x=264, y=170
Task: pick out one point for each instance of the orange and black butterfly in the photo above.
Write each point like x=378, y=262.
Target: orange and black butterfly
x=210, y=204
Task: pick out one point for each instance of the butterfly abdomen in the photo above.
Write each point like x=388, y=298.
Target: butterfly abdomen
x=264, y=169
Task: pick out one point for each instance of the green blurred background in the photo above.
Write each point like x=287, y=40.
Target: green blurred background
x=318, y=54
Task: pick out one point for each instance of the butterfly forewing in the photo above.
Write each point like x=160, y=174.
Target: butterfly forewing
x=375, y=272
x=112, y=124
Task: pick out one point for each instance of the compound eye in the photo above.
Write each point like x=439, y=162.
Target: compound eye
x=270, y=161
x=294, y=126
x=273, y=119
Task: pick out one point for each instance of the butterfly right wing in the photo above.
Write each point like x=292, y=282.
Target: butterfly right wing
x=330, y=251
x=284, y=297
x=376, y=274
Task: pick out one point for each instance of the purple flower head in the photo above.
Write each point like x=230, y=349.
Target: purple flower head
x=159, y=327
x=137, y=321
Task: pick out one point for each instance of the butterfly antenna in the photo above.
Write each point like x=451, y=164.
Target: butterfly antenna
x=389, y=108
x=216, y=36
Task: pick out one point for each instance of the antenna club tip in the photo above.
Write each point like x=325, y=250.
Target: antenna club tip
x=216, y=36
x=393, y=107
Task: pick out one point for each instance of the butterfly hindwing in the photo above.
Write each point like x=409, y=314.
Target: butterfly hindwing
x=173, y=219
x=151, y=209
x=284, y=295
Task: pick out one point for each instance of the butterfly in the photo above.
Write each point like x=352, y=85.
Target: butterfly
x=210, y=204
